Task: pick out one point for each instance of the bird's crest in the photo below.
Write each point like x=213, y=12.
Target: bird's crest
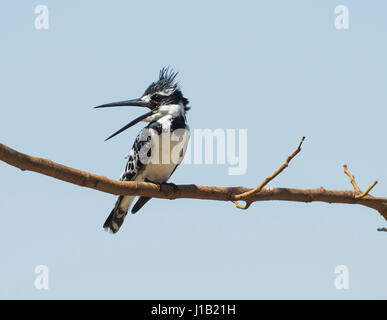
x=166, y=82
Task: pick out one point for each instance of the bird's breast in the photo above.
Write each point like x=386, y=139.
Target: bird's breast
x=167, y=151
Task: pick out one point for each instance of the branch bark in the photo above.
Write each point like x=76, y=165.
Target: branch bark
x=190, y=191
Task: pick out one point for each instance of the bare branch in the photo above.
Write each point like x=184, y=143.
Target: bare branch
x=104, y=184
x=246, y=195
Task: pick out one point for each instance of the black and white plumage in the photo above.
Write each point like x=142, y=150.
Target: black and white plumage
x=159, y=147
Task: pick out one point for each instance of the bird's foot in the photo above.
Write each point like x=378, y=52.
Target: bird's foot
x=171, y=184
x=158, y=184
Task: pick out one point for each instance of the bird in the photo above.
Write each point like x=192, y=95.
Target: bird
x=159, y=147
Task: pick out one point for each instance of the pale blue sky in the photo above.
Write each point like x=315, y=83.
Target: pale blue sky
x=279, y=69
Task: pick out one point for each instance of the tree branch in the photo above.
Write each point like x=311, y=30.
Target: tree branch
x=247, y=195
x=191, y=191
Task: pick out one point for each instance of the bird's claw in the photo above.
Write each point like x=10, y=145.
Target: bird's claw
x=171, y=184
x=159, y=185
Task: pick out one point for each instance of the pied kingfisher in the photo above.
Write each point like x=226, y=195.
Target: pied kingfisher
x=159, y=147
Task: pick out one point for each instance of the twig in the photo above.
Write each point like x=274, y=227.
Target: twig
x=367, y=191
x=352, y=178
x=245, y=196
x=383, y=212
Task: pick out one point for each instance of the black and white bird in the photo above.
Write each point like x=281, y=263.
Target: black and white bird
x=159, y=147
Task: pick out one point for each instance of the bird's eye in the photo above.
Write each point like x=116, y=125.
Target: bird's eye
x=156, y=97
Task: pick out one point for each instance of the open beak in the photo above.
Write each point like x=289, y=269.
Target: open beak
x=133, y=102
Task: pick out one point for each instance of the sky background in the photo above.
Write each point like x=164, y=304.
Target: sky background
x=279, y=69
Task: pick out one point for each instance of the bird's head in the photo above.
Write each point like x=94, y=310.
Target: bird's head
x=163, y=97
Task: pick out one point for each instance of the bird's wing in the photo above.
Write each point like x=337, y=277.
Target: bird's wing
x=138, y=155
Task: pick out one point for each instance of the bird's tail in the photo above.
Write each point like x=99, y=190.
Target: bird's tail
x=140, y=203
x=118, y=214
